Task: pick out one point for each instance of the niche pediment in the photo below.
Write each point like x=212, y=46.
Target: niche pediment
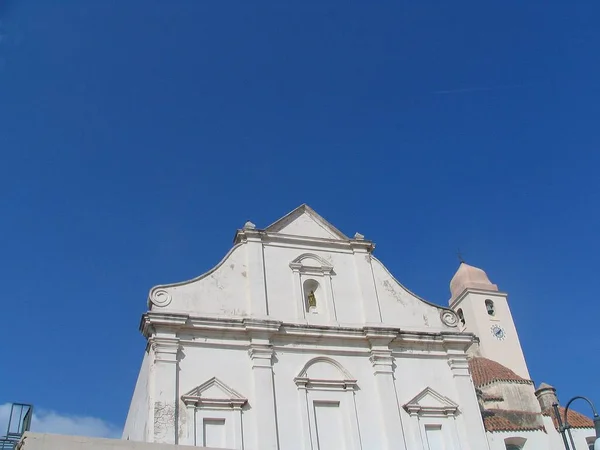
x=430, y=403
x=311, y=263
x=325, y=373
x=214, y=393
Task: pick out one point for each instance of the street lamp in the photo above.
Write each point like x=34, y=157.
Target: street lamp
x=566, y=428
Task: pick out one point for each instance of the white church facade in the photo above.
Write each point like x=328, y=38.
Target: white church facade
x=300, y=339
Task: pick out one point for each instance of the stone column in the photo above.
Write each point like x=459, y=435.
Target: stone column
x=383, y=369
x=261, y=358
x=364, y=277
x=469, y=423
x=164, y=389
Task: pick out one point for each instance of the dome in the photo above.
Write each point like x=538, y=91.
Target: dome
x=485, y=371
x=469, y=277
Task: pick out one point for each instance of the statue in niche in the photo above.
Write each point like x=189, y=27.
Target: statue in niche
x=312, y=300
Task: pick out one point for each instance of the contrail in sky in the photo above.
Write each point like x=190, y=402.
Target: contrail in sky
x=478, y=89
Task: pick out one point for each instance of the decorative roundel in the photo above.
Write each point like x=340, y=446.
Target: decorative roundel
x=160, y=297
x=498, y=332
x=449, y=318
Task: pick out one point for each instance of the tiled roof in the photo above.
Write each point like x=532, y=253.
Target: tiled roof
x=576, y=420
x=502, y=420
x=485, y=371
x=492, y=397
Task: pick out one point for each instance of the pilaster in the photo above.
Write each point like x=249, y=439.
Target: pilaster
x=469, y=423
x=255, y=258
x=383, y=369
x=164, y=389
x=261, y=355
x=364, y=277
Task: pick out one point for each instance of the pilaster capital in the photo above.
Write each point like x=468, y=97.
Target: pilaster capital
x=165, y=348
x=261, y=355
x=381, y=355
x=382, y=361
x=459, y=366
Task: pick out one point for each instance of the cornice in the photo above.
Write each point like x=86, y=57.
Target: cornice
x=328, y=385
x=451, y=342
x=151, y=320
x=266, y=237
x=469, y=290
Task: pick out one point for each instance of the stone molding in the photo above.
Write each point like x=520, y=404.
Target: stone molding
x=165, y=348
x=261, y=355
x=459, y=366
x=459, y=298
x=323, y=269
x=344, y=383
x=397, y=339
x=230, y=400
x=436, y=405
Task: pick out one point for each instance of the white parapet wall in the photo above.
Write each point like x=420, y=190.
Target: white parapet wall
x=38, y=441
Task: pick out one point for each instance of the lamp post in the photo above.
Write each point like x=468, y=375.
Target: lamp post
x=565, y=428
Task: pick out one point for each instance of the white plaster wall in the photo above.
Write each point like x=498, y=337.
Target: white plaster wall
x=580, y=436
x=283, y=298
x=289, y=398
x=433, y=372
x=536, y=440
x=228, y=360
x=39, y=441
x=229, y=365
x=136, y=424
x=541, y=440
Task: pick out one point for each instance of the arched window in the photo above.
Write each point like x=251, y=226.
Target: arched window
x=461, y=316
x=590, y=442
x=515, y=443
x=489, y=305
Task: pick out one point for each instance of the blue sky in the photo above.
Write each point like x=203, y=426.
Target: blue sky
x=135, y=137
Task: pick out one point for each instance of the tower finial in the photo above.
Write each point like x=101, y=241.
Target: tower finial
x=460, y=256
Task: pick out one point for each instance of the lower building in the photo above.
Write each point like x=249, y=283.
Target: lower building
x=301, y=339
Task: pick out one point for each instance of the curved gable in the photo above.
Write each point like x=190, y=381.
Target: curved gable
x=220, y=291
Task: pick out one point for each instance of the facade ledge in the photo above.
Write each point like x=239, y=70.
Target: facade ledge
x=469, y=290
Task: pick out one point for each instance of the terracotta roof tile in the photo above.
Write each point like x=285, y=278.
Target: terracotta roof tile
x=576, y=420
x=485, y=371
x=502, y=420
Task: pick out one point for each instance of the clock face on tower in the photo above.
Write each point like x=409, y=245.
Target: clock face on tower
x=498, y=332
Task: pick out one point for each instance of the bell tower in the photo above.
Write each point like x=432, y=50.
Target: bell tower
x=483, y=310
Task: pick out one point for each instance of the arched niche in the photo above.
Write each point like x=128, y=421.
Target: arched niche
x=312, y=277
x=311, y=292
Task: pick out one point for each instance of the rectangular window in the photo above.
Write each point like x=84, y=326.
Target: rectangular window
x=214, y=433
x=435, y=440
x=329, y=426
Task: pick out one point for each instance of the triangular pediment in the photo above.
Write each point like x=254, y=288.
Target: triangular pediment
x=430, y=402
x=214, y=392
x=304, y=221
